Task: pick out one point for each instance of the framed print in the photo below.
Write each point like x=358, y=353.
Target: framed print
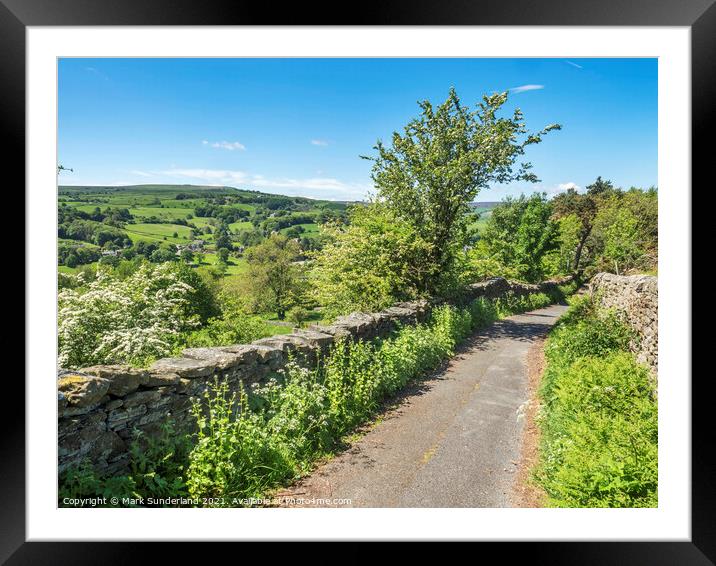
x=420, y=276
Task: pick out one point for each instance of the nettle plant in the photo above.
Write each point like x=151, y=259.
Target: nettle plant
x=109, y=320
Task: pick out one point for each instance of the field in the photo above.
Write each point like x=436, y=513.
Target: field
x=166, y=216
x=159, y=232
x=309, y=230
x=170, y=217
x=66, y=269
x=484, y=209
x=235, y=266
x=239, y=226
x=164, y=212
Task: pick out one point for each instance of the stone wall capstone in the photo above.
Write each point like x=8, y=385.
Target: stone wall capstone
x=636, y=298
x=99, y=407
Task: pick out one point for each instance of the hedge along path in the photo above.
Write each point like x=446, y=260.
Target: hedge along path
x=452, y=439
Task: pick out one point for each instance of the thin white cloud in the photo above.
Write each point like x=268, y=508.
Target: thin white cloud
x=315, y=187
x=216, y=176
x=574, y=64
x=90, y=182
x=322, y=143
x=141, y=173
x=97, y=72
x=231, y=146
x=498, y=192
x=566, y=186
x=525, y=88
x=558, y=188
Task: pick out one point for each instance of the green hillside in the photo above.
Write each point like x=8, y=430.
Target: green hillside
x=101, y=224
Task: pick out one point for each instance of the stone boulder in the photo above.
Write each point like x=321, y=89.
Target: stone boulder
x=183, y=367
x=82, y=390
x=220, y=358
x=123, y=379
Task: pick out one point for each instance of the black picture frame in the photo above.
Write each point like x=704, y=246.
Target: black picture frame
x=699, y=15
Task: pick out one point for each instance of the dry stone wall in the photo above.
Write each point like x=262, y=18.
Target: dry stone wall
x=99, y=407
x=636, y=297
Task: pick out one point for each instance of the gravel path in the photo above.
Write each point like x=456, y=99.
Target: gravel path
x=452, y=440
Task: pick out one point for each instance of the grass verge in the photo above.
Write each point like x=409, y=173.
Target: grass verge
x=599, y=415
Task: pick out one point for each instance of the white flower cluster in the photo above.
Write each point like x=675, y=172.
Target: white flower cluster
x=112, y=321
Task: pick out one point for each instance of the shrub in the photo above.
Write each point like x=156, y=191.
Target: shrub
x=585, y=330
x=125, y=321
x=369, y=264
x=235, y=327
x=513, y=304
x=483, y=312
x=298, y=315
x=83, y=482
x=580, y=307
x=294, y=411
x=158, y=463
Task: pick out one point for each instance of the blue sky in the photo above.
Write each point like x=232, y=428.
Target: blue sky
x=298, y=126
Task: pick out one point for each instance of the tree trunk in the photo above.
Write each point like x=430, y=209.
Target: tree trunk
x=578, y=251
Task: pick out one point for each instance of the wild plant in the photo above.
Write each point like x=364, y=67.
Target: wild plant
x=234, y=455
x=599, y=417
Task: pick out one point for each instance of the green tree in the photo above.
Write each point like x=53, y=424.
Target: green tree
x=373, y=261
x=187, y=256
x=583, y=206
x=298, y=315
x=162, y=255
x=444, y=158
x=621, y=240
x=616, y=233
x=110, y=260
x=633, y=215
x=222, y=239
x=520, y=232
x=273, y=276
x=600, y=187
x=644, y=205
x=570, y=228
x=223, y=255
x=71, y=260
x=234, y=326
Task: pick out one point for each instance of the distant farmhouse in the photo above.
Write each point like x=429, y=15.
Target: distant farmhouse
x=195, y=246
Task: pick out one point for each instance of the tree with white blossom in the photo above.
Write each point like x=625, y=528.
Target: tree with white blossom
x=124, y=321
